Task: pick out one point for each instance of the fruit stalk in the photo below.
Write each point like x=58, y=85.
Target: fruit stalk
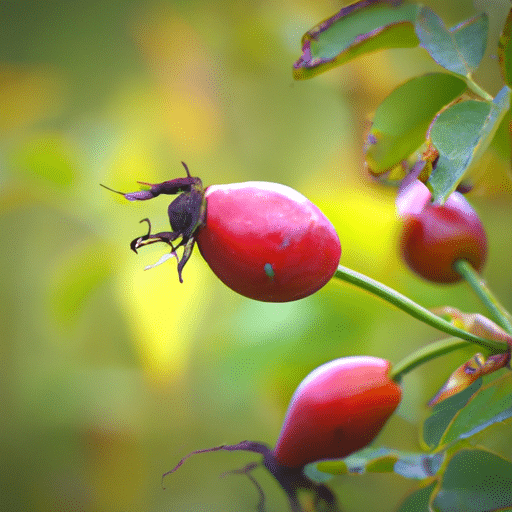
x=425, y=354
x=499, y=313
x=415, y=310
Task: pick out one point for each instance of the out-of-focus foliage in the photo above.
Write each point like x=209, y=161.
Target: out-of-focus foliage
x=402, y=119
x=474, y=121
x=504, y=50
x=458, y=49
x=459, y=133
x=366, y=26
x=109, y=374
x=379, y=460
x=475, y=480
x=362, y=27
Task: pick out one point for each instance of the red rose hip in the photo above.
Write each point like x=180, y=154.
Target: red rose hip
x=435, y=237
x=338, y=409
x=267, y=242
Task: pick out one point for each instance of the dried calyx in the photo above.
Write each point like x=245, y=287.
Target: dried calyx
x=186, y=214
x=292, y=480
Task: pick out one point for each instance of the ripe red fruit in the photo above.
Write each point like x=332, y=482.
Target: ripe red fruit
x=263, y=240
x=267, y=242
x=338, y=409
x=434, y=237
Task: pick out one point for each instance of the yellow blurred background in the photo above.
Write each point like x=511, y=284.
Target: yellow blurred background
x=109, y=374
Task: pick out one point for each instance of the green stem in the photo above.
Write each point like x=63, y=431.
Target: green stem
x=415, y=310
x=498, y=312
x=473, y=86
x=425, y=354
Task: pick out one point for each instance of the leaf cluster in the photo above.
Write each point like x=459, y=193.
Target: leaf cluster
x=437, y=125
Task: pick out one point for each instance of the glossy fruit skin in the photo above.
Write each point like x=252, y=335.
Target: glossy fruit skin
x=338, y=409
x=266, y=241
x=433, y=239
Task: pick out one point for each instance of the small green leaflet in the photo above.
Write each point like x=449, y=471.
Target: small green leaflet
x=490, y=405
x=401, y=121
x=370, y=25
x=419, y=501
x=459, y=49
x=469, y=412
x=416, y=466
x=363, y=27
x=443, y=413
x=505, y=50
x=461, y=134
x=475, y=481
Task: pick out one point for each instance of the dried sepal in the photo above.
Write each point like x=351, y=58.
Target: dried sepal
x=478, y=365
x=186, y=213
x=291, y=480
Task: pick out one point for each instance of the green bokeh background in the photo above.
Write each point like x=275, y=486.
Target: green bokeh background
x=109, y=374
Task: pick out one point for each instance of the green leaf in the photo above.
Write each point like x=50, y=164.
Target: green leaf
x=444, y=412
x=418, y=501
x=418, y=466
x=363, y=27
x=461, y=134
x=378, y=460
x=459, y=49
x=505, y=50
x=402, y=119
x=502, y=143
x=470, y=38
x=475, y=481
x=490, y=405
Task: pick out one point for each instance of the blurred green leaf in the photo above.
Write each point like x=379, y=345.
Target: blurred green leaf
x=379, y=460
x=82, y=271
x=501, y=143
x=419, y=466
x=436, y=424
x=459, y=49
x=461, y=134
x=363, y=27
x=381, y=464
x=490, y=405
x=505, y=50
x=419, y=500
x=475, y=481
x=471, y=39
x=50, y=157
x=402, y=119
x=370, y=25
x=85, y=396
